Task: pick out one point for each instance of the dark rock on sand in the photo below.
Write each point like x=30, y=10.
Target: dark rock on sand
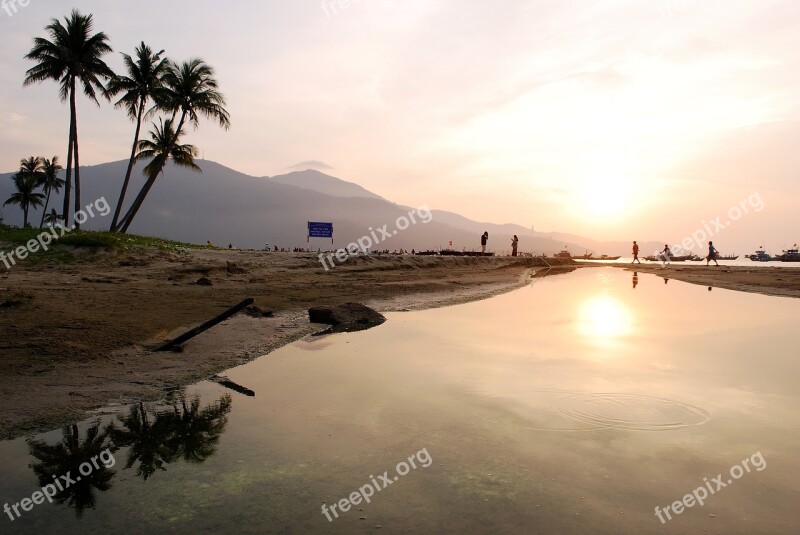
x=258, y=312
x=204, y=281
x=347, y=317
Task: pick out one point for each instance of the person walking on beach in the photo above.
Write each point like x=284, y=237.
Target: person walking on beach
x=636, y=252
x=712, y=254
x=484, y=240
x=514, y=243
x=666, y=253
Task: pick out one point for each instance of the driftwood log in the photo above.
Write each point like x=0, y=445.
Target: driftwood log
x=188, y=335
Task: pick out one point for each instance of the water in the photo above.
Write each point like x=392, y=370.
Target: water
x=575, y=405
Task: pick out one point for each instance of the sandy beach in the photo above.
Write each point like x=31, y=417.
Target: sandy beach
x=80, y=337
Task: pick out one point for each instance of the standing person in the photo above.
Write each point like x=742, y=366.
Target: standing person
x=514, y=243
x=666, y=253
x=484, y=240
x=712, y=254
x=636, y=252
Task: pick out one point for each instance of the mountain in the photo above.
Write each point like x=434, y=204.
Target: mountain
x=322, y=183
x=225, y=207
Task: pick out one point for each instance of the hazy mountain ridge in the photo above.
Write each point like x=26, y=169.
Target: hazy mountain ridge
x=225, y=206
x=314, y=180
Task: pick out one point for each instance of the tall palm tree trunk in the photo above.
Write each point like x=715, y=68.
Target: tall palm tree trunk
x=25, y=216
x=134, y=209
x=77, y=158
x=68, y=180
x=44, y=211
x=121, y=200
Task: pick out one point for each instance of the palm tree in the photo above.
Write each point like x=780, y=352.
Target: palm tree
x=50, y=182
x=164, y=144
x=143, y=82
x=65, y=457
x=32, y=166
x=26, y=196
x=52, y=218
x=191, y=90
x=72, y=54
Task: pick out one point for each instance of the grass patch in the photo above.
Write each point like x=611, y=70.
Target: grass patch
x=82, y=245
x=92, y=239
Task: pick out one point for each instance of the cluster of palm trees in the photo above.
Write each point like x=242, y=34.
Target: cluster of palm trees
x=35, y=173
x=72, y=55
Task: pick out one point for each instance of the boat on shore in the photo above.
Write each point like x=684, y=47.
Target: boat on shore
x=586, y=256
x=660, y=258
x=605, y=257
x=696, y=258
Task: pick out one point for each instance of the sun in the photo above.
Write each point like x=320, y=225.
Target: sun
x=604, y=188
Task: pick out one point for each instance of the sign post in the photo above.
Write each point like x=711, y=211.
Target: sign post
x=320, y=230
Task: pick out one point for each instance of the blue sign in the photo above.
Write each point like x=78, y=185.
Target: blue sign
x=320, y=230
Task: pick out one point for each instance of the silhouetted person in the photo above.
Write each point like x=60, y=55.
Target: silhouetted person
x=636, y=253
x=666, y=253
x=712, y=254
x=635, y=279
x=484, y=240
x=514, y=243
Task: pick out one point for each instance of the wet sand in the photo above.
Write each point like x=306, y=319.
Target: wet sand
x=81, y=336
x=778, y=281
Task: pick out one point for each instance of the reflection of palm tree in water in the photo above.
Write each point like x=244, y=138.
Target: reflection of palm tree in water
x=160, y=438
x=196, y=432
x=64, y=459
x=146, y=439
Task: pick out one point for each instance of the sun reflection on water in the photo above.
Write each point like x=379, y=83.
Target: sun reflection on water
x=604, y=319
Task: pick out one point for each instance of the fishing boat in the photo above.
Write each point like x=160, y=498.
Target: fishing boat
x=563, y=254
x=727, y=257
x=586, y=256
x=760, y=256
x=789, y=255
x=660, y=258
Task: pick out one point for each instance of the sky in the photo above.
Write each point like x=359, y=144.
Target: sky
x=613, y=119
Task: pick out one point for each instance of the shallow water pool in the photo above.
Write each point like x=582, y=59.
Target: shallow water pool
x=575, y=405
